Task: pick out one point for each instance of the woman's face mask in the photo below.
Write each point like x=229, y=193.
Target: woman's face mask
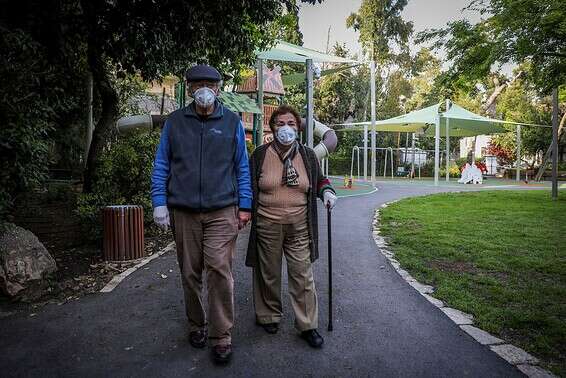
x=286, y=135
x=204, y=97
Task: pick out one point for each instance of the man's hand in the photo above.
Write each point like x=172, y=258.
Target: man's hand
x=161, y=217
x=243, y=219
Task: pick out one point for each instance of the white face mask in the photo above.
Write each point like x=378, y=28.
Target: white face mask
x=204, y=97
x=286, y=135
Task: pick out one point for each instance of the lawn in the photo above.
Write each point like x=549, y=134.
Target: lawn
x=499, y=255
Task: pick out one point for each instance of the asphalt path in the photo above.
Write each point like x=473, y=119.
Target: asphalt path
x=382, y=326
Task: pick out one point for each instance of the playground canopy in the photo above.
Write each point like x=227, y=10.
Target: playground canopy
x=432, y=122
x=288, y=52
x=461, y=122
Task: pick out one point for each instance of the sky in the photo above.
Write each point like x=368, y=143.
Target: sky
x=314, y=20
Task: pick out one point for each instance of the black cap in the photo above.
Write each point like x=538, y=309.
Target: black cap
x=202, y=72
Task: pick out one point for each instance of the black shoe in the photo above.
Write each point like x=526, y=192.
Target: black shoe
x=313, y=338
x=198, y=338
x=222, y=353
x=271, y=328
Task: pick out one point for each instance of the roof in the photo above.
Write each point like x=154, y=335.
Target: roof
x=238, y=103
x=288, y=52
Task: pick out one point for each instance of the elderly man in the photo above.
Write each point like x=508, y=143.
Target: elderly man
x=201, y=187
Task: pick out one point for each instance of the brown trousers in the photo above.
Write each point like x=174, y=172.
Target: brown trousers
x=292, y=240
x=206, y=241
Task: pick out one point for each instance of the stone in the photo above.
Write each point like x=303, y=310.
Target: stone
x=458, y=316
x=481, y=336
x=23, y=260
x=513, y=354
x=421, y=288
x=434, y=301
x=532, y=371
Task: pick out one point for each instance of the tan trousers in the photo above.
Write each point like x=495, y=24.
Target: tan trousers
x=292, y=240
x=206, y=241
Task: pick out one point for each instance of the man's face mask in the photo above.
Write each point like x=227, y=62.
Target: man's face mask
x=286, y=135
x=204, y=97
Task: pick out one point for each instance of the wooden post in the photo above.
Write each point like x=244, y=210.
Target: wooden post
x=555, y=144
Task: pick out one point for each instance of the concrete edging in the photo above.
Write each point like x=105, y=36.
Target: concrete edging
x=516, y=356
x=115, y=281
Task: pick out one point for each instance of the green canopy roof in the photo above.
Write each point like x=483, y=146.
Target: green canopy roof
x=238, y=103
x=461, y=122
x=288, y=52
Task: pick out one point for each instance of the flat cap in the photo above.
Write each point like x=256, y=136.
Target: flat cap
x=202, y=72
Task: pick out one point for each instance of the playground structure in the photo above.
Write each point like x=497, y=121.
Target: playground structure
x=409, y=161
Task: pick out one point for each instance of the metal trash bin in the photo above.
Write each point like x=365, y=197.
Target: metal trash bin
x=123, y=233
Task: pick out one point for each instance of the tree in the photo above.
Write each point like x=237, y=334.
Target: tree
x=144, y=37
x=512, y=32
x=383, y=32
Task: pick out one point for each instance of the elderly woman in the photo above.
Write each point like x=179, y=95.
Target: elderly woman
x=286, y=180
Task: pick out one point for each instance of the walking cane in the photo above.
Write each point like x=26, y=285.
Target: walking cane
x=329, y=215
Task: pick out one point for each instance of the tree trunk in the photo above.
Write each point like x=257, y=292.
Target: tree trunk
x=489, y=106
x=107, y=94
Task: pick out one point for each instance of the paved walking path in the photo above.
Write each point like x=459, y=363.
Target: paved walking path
x=383, y=327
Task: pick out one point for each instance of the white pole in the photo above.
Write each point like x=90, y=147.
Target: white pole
x=310, y=118
x=436, y=149
x=373, y=126
x=518, y=178
x=413, y=156
x=365, y=152
x=447, y=143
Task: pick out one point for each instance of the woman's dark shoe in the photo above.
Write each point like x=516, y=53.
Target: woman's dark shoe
x=198, y=338
x=313, y=338
x=271, y=328
x=222, y=353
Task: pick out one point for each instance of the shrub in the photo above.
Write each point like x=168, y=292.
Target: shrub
x=123, y=178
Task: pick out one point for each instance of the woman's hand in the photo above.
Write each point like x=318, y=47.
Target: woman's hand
x=329, y=199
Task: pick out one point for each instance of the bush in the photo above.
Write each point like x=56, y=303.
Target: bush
x=340, y=166
x=123, y=178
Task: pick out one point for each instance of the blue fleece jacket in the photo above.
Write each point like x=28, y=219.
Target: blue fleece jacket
x=185, y=186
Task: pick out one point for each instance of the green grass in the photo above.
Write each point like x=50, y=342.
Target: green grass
x=499, y=255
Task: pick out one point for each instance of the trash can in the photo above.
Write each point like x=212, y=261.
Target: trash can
x=123, y=233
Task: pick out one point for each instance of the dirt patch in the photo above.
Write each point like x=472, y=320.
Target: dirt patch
x=81, y=271
x=454, y=266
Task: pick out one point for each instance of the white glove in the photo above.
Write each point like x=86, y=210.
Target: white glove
x=329, y=199
x=161, y=217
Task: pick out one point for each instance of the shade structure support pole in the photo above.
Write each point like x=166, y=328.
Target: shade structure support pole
x=259, y=81
x=436, y=149
x=373, y=125
x=412, y=174
x=310, y=117
x=365, y=152
x=555, y=144
x=447, y=149
x=518, y=162
x=254, y=129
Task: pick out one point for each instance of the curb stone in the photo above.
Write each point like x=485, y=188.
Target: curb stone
x=115, y=281
x=525, y=362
